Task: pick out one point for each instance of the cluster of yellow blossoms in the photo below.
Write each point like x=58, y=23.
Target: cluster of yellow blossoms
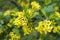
x=30, y=12
x=14, y=36
x=35, y=5
x=21, y=20
x=44, y=26
x=26, y=19
x=23, y=4
x=26, y=30
x=56, y=29
x=57, y=14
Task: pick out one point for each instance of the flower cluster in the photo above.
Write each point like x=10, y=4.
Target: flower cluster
x=26, y=30
x=27, y=19
x=56, y=29
x=14, y=36
x=35, y=5
x=57, y=14
x=21, y=20
x=44, y=26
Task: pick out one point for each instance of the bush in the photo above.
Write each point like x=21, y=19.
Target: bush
x=29, y=20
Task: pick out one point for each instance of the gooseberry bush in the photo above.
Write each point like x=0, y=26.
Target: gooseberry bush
x=29, y=19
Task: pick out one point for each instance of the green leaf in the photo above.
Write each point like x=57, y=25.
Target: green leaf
x=32, y=36
x=44, y=13
x=26, y=14
x=47, y=2
x=35, y=14
x=15, y=30
x=49, y=8
x=1, y=13
x=1, y=22
x=7, y=18
x=2, y=27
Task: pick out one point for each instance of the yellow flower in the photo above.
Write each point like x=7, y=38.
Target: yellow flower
x=9, y=25
x=19, y=14
x=23, y=4
x=21, y=20
x=35, y=5
x=58, y=27
x=17, y=22
x=14, y=36
x=11, y=34
x=55, y=30
x=30, y=12
x=57, y=14
x=19, y=1
x=26, y=30
x=44, y=26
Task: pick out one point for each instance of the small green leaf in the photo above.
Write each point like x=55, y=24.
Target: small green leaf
x=49, y=8
x=15, y=30
x=1, y=22
x=1, y=13
x=35, y=14
x=47, y=2
x=26, y=14
x=43, y=12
